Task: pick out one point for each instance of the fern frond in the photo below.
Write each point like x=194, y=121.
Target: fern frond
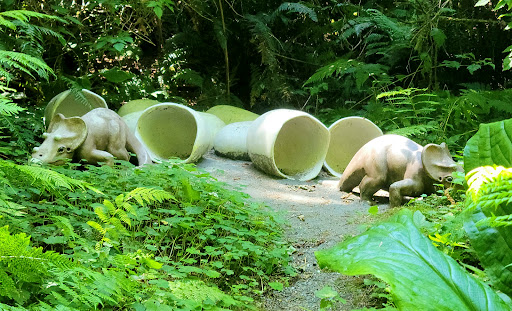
x=500, y=99
x=189, y=76
x=396, y=30
x=407, y=92
x=129, y=208
x=65, y=225
x=266, y=42
x=123, y=216
x=6, y=23
x=118, y=225
x=483, y=179
x=299, y=8
x=328, y=70
x=7, y=107
x=25, y=16
x=25, y=63
x=119, y=200
x=100, y=212
x=24, y=264
x=97, y=226
x=7, y=207
x=110, y=207
x=46, y=178
x=360, y=71
x=78, y=94
x=87, y=289
x=149, y=195
x=414, y=130
x=45, y=31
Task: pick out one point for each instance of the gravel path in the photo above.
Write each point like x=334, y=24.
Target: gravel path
x=319, y=215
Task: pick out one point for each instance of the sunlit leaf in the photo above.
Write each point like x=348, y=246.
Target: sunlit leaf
x=415, y=270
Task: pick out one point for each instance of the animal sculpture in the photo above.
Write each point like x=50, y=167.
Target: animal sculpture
x=98, y=136
x=399, y=165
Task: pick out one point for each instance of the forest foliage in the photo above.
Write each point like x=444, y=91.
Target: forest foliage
x=78, y=239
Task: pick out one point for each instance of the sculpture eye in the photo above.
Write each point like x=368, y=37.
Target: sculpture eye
x=440, y=178
x=68, y=149
x=449, y=179
x=60, y=150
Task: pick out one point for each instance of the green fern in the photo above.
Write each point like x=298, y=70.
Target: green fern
x=10, y=60
x=44, y=178
x=21, y=266
x=379, y=34
x=114, y=214
x=7, y=207
x=410, y=112
x=361, y=72
x=484, y=100
x=149, y=195
x=7, y=17
x=190, y=77
x=489, y=187
x=87, y=289
x=198, y=292
x=76, y=87
x=21, y=51
x=8, y=108
x=299, y=8
x=414, y=130
x=267, y=44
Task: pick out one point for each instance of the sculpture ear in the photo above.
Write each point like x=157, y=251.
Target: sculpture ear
x=69, y=131
x=437, y=161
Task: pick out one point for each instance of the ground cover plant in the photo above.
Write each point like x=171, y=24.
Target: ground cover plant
x=145, y=231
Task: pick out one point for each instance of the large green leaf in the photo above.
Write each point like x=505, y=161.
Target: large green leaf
x=492, y=144
x=420, y=276
x=117, y=75
x=488, y=197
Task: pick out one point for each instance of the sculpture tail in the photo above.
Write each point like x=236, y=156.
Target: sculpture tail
x=135, y=146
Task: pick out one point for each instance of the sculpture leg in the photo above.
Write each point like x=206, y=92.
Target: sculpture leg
x=369, y=186
x=96, y=156
x=400, y=188
x=117, y=147
x=121, y=154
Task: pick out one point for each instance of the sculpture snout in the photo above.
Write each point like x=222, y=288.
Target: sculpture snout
x=35, y=160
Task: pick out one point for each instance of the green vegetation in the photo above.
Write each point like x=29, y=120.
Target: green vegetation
x=169, y=237
x=170, y=234
x=398, y=253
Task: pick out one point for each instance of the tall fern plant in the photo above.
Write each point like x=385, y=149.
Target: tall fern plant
x=18, y=60
x=21, y=50
x=23, y=57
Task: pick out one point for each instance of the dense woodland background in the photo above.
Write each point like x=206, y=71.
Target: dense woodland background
x=172, y=238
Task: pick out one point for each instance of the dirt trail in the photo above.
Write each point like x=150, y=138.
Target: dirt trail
x=318, y=215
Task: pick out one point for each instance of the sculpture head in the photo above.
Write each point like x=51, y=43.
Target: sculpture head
x=438, y=163
x=64, y=136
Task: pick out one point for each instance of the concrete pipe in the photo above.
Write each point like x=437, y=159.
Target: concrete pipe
x=347, y=136
x=170, y=130
x=72, y=105
x=288, y=143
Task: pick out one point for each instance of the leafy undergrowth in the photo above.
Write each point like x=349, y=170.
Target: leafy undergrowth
x=164, y=237
x=399, y=254
x=433, y=246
